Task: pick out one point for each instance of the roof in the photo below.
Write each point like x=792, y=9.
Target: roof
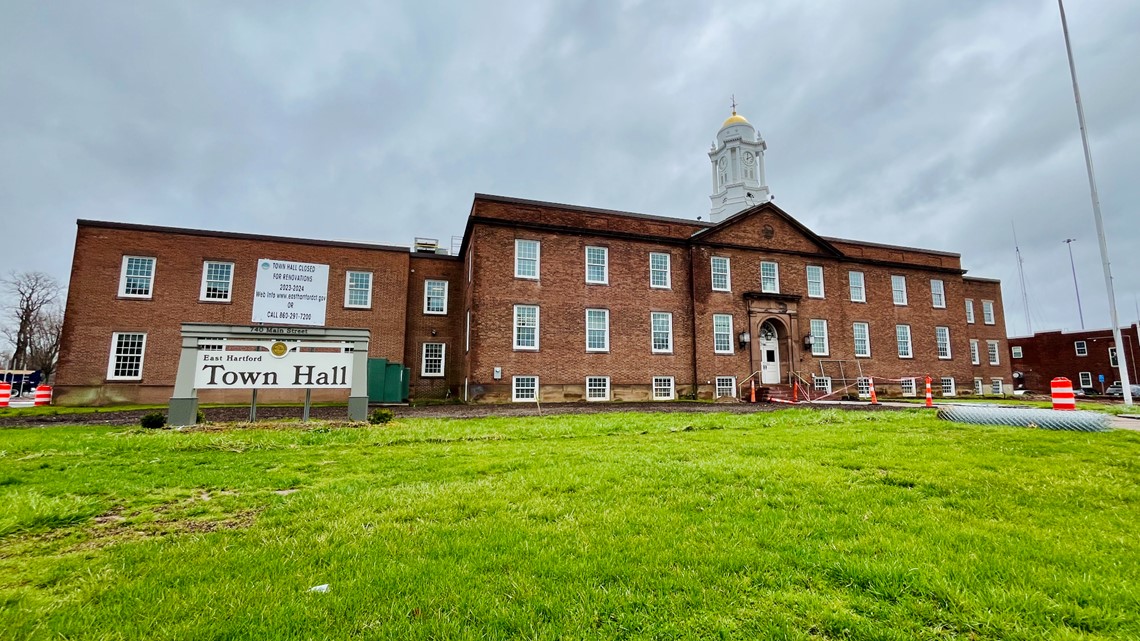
x=588, y=210
x=157, y=229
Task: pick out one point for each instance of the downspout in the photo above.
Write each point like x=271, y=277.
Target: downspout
x=693, y=316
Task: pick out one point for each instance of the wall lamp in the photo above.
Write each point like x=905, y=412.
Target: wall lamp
x=809, y=340
x=744, y=338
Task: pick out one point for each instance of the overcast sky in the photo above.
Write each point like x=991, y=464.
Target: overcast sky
x=934, y=124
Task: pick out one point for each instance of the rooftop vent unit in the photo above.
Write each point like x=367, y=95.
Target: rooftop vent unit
x=426, y=246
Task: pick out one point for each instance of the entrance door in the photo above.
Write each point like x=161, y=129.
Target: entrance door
x=769, y=355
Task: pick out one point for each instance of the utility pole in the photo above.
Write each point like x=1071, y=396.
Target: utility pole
x=1069, y=242
x=1121, y=360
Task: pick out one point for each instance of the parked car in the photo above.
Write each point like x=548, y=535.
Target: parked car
x=1116, y=389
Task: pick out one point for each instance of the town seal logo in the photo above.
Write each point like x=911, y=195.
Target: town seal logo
x=279, y=349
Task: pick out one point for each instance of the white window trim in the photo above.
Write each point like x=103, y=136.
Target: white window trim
x=537, y=258
x=672, y=388
x=826, y=349
x=716, y=386
x=988, y=316
x=970, y=320
x=953, y=385
x=442, y=361
x=515, y=326
x=949, y=353
x=1015, y=351
x=731, y=349
x=445, y=288
x=1081, y=379
x=1079, y=346
x=904, y=296
x=467, y=338
x=994, y=354
x=855, y=342
x=863, y=387
x=606, y=313
x=913, y=387
x=111, y=360
x=862, y=286
x=1113, y=359
x=979, y=387
x=205, y=270
x=776, y=270
x=821, y=287
x=123, y=278
x=606, y=265
x=347, y=289
x=668, y=270
x=1001, y=386
x=515, y=390
x=909, y=342
x=941, y=291
x=821, y=384
x=598, y=400
x=975, y=352
x=668, y=350
x=727, y=273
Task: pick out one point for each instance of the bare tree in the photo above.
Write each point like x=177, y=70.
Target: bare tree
x=30, y=314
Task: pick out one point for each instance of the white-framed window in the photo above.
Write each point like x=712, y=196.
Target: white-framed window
x=217, y=281
x=988, y=312
x=938, y=294
x=726, y=386
x=597, y=330
x=856, y=287
x=136, y=280
x=659, y=276
x=862, y=334
x=1015, y=351
x=996, y=386
x=970, y=311
x=526, y=327
x=819, y=337
x=821, y=384
x=722, y=333
x=662, y=388
x=769, y=278
x=898, y=289
x=1112, y=362
x=127, y=351
x=1081, y=347
x=432, y=362
x=598, y=265
x=358, y=289
x=527, y=256
x=597, y=388
x=815, y=281
x=948, y=388
x=902, y=336
x=721, y=274
x=975, y=353
x=942, y=339
x=1086, y=379
x=661, y=326
x=992, y=349
x=524, y=388
x=979, y=387
x=908, y=387
x=435, y=296
x=863, y=387
x=467, y=334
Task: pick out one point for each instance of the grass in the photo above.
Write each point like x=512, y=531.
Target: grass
x=56, y=410
x=1104, y=406
x=796, y=524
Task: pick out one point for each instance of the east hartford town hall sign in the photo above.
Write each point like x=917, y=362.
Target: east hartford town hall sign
x=296, y=351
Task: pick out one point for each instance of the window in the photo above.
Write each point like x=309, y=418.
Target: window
x=661, y=324
x=1112, y=362
x=126, y=356
x=992, y=349
x=819, y=337
x=855, y=284
x=721, y=276
x=975, y=354
x=863, y=386
x=217, y=281
x=659, y=271
x=358, y=289
x=435, y=297
x=467, y=339
x=526, y=327
x=988, y=312
x=942, y=338
x=597, y=388
x=815, y=281
x=432, y=362
x=726, y=386
x=862, y=334
x=948, y=386
x=769, y=278
x=898, y=289
x=527, y=254
x=938, y=293
x=969, y=311
x=902, y=335
x=979, y=387
x=821, y=384
x=722, y=333
x=908, y=387
x=662, y=388
x=597, y=265
x=524, y=388
x=597, y=330
x=1086, y=379
x=1081, y=347
x=996, y=386
x=137, y=277
x=1015, y=351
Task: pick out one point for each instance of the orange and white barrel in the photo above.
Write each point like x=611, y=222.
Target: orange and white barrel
x=1063, y=397
x=5, y=394
x=929, y=395
x=43, y=395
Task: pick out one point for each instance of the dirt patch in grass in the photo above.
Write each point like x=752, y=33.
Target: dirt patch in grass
x=112, y=528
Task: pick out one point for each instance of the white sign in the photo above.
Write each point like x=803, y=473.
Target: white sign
x=290, y=293
x=263, y=369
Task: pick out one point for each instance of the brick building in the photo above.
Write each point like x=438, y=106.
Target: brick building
x=564, y=303
x=1082, y=357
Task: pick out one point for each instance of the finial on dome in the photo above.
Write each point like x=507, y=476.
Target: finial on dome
x=734, y=104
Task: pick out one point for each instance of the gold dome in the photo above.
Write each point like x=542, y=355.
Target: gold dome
x=734, y=119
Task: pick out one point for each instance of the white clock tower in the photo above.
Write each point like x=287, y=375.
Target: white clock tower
x=737, y=168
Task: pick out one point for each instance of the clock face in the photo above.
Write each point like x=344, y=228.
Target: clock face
x=748, y=159
x=723, y=163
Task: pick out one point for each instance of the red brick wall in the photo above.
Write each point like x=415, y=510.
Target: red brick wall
x=1047, y=355
x=433, y=328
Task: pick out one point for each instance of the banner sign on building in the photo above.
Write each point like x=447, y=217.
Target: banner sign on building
x=277, y=365
x=290, y=293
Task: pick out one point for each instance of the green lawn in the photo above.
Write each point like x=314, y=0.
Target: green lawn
x=796, y=524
